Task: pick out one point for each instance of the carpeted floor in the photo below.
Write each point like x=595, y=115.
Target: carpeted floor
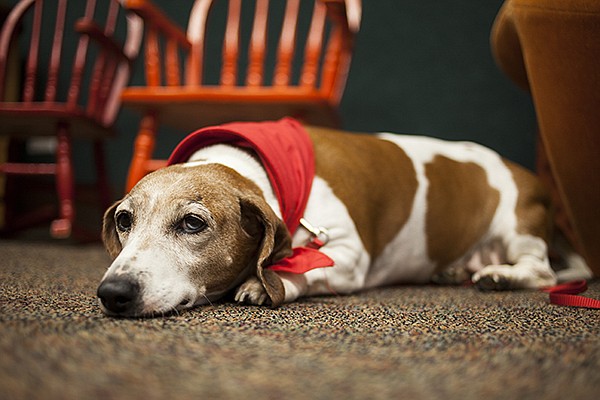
x=400, y=342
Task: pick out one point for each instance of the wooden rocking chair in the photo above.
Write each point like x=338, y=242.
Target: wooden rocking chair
x=272, y=64
x=74, y=69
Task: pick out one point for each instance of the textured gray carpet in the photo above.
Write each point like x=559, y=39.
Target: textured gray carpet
x=401, y=342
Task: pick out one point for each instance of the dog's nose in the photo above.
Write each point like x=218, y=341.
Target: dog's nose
x=118, y=295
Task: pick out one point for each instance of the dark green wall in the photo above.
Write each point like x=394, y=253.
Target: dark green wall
x=426, y=67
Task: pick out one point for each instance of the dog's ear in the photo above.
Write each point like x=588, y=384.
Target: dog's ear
x=109, y=232
x=259, y=220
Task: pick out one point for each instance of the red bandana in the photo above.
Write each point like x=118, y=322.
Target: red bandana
x=286, y=152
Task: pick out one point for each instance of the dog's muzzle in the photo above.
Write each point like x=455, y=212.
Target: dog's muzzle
x=119, y=295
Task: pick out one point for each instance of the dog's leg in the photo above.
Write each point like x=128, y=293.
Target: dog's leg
x=527, y=266
x=252, y=292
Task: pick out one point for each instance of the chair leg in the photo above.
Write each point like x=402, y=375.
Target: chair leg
x=101, y=176
x=61, y=227
x=563, y=75
x=143, y=150
x=10, y=190
x=15, y=217
x=561, y=217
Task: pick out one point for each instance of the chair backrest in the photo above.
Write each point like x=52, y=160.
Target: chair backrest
x=77, y=53
x=282, y=43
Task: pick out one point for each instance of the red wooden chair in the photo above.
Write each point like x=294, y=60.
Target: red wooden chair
x=74, y=69
x=302, y=74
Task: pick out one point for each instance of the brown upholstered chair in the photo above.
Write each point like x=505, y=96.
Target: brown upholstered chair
x=178, y=93
x=551, y=48
x=75, y=64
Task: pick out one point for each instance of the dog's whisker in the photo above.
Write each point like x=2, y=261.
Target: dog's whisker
x=175, y=311
x=207, y=299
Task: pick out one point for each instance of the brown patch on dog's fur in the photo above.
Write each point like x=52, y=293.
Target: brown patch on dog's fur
x=109, y=232
x=534, y=206
x=460, y=207
x=382, y=203
x=259, y=220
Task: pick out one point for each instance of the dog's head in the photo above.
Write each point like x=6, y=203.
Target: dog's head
x=186, y=235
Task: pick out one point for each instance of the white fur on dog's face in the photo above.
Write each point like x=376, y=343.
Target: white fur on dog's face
x=184, y=235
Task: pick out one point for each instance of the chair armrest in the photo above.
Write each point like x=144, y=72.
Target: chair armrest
x=346, y=12
x=91, y=28
x=155, y=18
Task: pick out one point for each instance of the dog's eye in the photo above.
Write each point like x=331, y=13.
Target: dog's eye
x=124, y=220
x=192, y=224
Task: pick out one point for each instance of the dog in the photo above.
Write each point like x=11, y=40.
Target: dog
x=319, y=212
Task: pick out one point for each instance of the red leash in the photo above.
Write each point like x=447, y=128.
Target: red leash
x=566, y=295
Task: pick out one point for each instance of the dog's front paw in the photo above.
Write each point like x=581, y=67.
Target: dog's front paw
x=251, y=292
x=496, y=277
x=518, y=276
x=491, y=282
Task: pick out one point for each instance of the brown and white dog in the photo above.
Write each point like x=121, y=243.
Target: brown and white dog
x=396, y=208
